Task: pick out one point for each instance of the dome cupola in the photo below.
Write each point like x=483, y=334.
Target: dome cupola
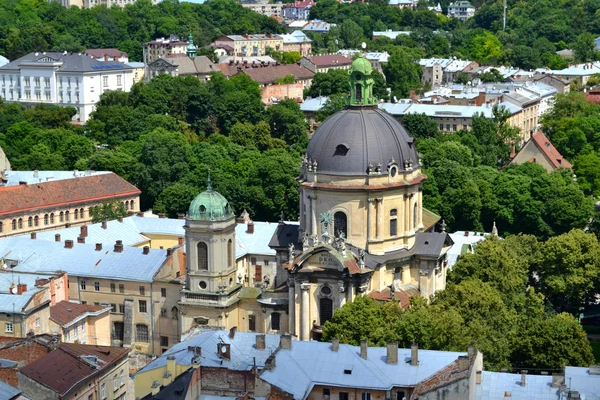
x=210, y=206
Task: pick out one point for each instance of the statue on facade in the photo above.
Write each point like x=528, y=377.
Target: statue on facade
x=339, y=243
x=361, y=258
x=291, y=253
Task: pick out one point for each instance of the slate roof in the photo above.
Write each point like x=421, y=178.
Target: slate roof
x=22, y=198
x=65, y=313
x=550, y=151
x=329, y=60
x=243, y=352
x=64, y=369
x=307, y=364
x=82, y=260
x=285, y=234
x=8, y=392
x=266, y=75
x=430, y=244
x=501, y=385
x=70, y=62
x=188, y=66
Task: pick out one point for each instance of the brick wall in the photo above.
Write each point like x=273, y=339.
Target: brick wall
x=282, y=92
x=24, y=352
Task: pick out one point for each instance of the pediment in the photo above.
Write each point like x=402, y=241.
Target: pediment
x=161, y=63
x=321, y=260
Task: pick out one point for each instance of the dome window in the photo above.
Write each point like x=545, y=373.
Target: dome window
x=202, y=209
x=341, y=149
x=393, y=171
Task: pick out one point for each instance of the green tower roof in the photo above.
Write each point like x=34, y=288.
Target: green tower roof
x=210, y=206
x=362, y=65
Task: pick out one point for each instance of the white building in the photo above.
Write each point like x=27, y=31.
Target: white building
x=462, y=10
x=297, y=11
x=63, y=79
x=93, y=3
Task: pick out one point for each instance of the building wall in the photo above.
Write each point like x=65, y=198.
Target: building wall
x=267, y=9
x=160, y=241
x=53, y=217
x=120, y=369
x=353, y=394
x=34, y=390
x=154, y=51
x=275, y=93
x=531, y=152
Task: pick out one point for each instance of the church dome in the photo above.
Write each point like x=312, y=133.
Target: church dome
x=359, y=139
x=210, y=206
x=362, y=65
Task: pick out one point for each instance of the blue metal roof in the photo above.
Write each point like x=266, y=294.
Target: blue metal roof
x=8, y=392
x=308, y=364
x=257, y=242
x=82, y=260
x=496, y=385
x=580, y=380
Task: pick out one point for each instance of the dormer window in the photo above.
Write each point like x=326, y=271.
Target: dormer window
x=341, y=149
x=202, y=209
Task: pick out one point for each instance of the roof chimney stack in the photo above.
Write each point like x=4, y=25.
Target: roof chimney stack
x=103, y=224
x=80, y=239
x=392, y=353
x=120, y=219
x=232, y=332
x=261, y=343
x=363, y=349
x=414, y=354
x=84, y=231
x=285, y=341
x=524, y=378
x=21, y=288
x=98, y=246
x=180, y=240
x=119, y=246
x=68, y=244
x=33, y=235
x=335, y=344
x=146, y=250
x=250, y=227
x=57, y=237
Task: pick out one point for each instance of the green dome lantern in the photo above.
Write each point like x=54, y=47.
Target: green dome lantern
x=361, y=83
x=210, y=206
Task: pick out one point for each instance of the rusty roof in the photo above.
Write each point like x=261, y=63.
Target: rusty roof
x=65, y=312
x=270, y=73
x=401, y=295
x=80, y=190
x=329, y=60
x=71, y=365
x=550, y=151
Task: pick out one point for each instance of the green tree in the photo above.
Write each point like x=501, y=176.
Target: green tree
x=583, y=48
x=403, y=75
x=420, y=126
x=107, y=211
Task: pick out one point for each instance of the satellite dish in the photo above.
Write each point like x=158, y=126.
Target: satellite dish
x=336, y=41
x=13, y=290
x=364, y=45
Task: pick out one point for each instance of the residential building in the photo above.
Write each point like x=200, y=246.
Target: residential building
x=390, y=34
x=180, y=64
x=63, y=79
x=581, y=72
x=297, y=11
x=529, y=104
x=315, y=25
x=32, y=201
x=378, y=60
x=94, y=3
x=248, y=61
x=26, y=299
x=140, y=285
x=18, y=353
x=402, y=4
x=108, y=55
x=444, y=70
x=539, y=150
x=163, y=47
x=138, y=70
x=250, y=45
x=297, y=41
x=560, y=85
x=462, y=10
x=326, y=62
x=265, y=8
x=4, y=163
x=81, y=323
x=78, y=371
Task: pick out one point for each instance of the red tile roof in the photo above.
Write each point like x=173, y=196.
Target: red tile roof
x=550, y=151
x=64, y=369
x=47, y=195
x=450, y=373
x=329, y=60
x=64, y=311
x=399, y=295
x=99, y=53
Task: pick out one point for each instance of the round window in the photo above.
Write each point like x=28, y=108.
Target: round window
x=326, y=290
x=202, y=209
x=358, y=76
x=202, y=285
x=393, y=171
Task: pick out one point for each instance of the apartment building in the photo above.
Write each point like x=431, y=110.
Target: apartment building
x=163, y=47
x=298, y=10
x=324, y=63
x=250, y=45
x=63, y=79
x=297, y=41
x=462, y=10
x=32, y=201
x=80, y=323
x=265, y=8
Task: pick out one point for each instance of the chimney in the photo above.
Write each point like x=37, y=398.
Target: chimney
x=250, y=227
x=21, y=288
x=80, y=239
x=232, y=332
x=120, y=219
x=68, y=244
x=558, y=379
x=478, y=378
x=467, y=233
x=33, y=235
x=364, y=346
x=119, y=246
x=103, y=224
x=524, y=378
x=84, y=231
x=285, y=342
x=57, y=237
x=41, y=281
x=98, y=246
x=414, y=354
x=140, y=214
x=392, y=353
x=335, y=344
x=168, y=252
x=180, y=216
x=171, y=364
x=36, y=173
x=146, y=250
x=463, y=363
x=180, y=240
x=261, y=342
x=471, y=351
x=161, y=215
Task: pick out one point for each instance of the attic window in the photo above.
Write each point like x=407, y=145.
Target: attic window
x=341, y=150
x=347, y=372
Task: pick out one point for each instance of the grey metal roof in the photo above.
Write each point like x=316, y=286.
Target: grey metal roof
x=372, y=136
x=8, y=392
x=32, y=177
x=285, y=234
x=497, y=385
x=82, y=260
x=430, y=244
x=307, y=364
x=579, y=379
x=69, y=62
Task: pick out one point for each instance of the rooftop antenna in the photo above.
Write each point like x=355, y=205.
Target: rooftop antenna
x=208, y=186
x=363, y=45
x=504, y=17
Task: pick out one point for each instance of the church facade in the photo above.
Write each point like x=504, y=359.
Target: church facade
x=361, y=230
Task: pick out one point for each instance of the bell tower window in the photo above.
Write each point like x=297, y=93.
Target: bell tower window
x=229, y=253
x=415, y=216
x=202, y=256
x=393, y=222
x=340, y=223
x=358, y=92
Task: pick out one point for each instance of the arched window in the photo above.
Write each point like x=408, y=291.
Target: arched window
x=131, y=203
x=76, y=214
x=229, y=253
x=127, y=205
x=275, y=321
x=61, y=216
x=393, y=222
x=81, y=213
x=415, y=216
x=14, y=224
x=20, y=223
x=325, y=310
x=29, y=222
x=67, y=216
x=36, y=221
x=202, y=256
x=174, y=313
x=51, y=218
x=358, y=92
x=45, y=219
x=340, y=223
x=1, y=226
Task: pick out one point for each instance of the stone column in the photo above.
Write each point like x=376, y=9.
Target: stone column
x=379, y=204
x=302, y=215
x=369, y=220
x=419, y=208
x=308, y=216
x=305, y=333
x=407, y=213
x=291, y=307
x=313, y=215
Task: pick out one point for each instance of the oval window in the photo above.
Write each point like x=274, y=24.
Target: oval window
x=326, y=290
x=393, y=171
x=202, y=209
x=202, y=285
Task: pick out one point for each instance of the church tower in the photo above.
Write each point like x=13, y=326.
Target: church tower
x=191, y=48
